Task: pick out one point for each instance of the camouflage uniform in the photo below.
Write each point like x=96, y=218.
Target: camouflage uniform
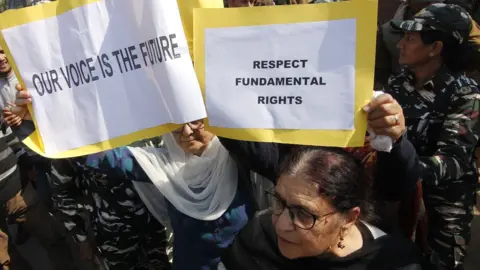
x=126, y=234
x=442, y=122
x=386, y=61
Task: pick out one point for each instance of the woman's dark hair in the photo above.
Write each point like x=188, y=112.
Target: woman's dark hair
x=341, y=177
x=457, y=57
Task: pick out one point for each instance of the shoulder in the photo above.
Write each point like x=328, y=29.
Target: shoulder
x=67, y=167
x=118, y=158
x=465, y=97
x=393, y=252
x=254, y=247
x=465, y=87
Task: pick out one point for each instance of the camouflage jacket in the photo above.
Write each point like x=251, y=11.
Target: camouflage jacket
x=442, y=123
x=98, y=186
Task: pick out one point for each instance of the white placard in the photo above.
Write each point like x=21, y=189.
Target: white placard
x=284, y=76
x=106, y=69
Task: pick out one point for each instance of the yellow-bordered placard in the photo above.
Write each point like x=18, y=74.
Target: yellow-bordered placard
x=365, y=13
x=13, y=18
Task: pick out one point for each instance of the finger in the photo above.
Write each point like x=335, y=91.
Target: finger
x=10, y=116
x=11, y=104
x=23, y=97
x=383, y=110
x=17, y=122
x=384, y=122
x=23, y=94
x=9, y=120
x=22, y=102
x=381, y=99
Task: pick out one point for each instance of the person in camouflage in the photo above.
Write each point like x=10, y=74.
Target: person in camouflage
x=441, y=107
x=386, y=61
x=126, y=234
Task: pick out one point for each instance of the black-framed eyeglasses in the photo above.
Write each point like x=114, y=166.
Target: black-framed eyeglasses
x=194, y=126
x=300, y=217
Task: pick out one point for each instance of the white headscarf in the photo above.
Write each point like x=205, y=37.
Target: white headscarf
x=202, y=187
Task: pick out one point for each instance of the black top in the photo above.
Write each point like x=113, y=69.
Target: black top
x=255, y=248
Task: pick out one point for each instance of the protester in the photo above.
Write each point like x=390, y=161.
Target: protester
x=319, y=207
x=193, y=186
x=441, y=108
x=8, y=82
x=25, y=199
x=21, y=205
x=32, y=166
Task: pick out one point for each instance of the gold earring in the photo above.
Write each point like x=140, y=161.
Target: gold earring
x=340, y=244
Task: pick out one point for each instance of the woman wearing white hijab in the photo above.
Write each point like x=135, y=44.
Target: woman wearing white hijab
x=192, y=186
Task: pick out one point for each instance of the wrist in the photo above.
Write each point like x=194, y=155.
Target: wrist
x=398, y=140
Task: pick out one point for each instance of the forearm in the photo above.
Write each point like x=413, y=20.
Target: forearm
x=398, y=171
x=262, y=158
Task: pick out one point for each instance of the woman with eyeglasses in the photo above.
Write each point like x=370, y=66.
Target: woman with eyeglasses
x=318, y=216
x=195, y=188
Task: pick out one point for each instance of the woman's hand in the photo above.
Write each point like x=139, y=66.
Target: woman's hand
x=385, y=117
x=19, y=109
x=12, y=119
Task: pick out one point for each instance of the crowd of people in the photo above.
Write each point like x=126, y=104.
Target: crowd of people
x=191, y=200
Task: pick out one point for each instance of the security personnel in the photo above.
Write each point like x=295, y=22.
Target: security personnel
x=441, y=107
x=388, y=38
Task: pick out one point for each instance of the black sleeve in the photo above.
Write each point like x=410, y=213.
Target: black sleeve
x=262, y=158
x=25, y=129
x=397, y=172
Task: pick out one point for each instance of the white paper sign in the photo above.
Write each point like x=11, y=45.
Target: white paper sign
x=105, y=70
x=287, y=76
